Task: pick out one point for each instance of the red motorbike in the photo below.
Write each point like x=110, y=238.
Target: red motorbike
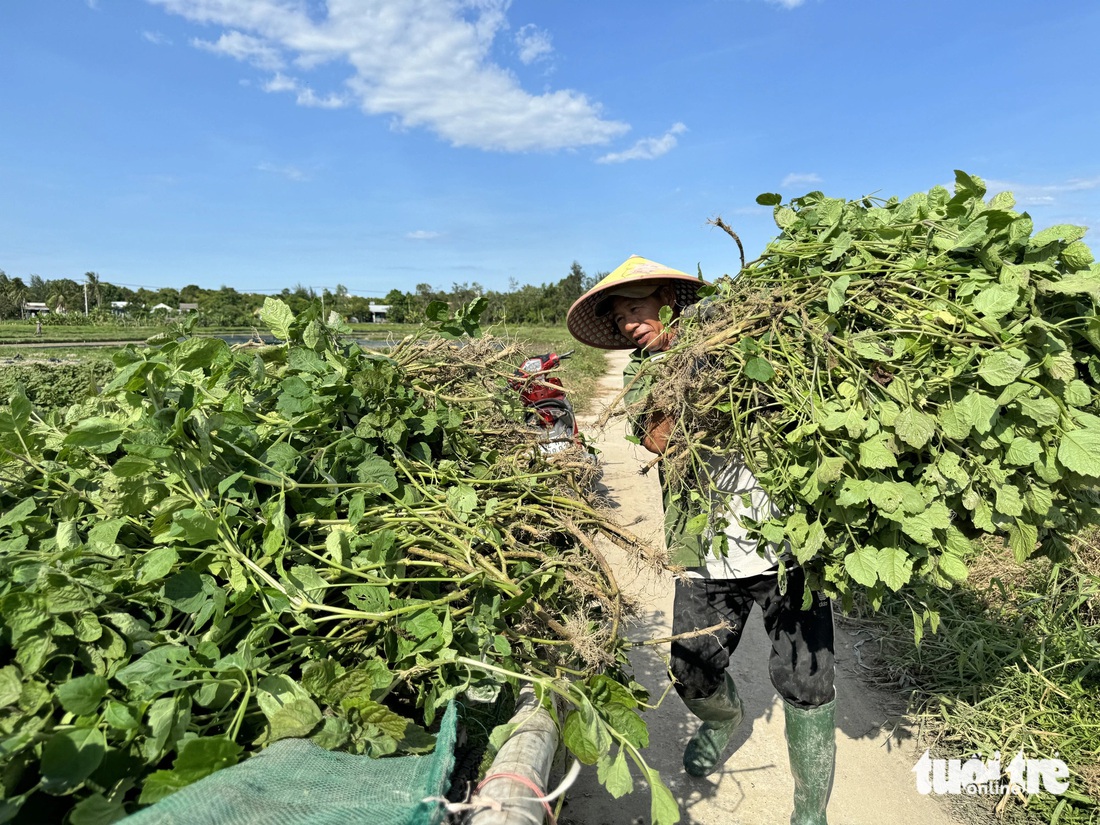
x=545, y=402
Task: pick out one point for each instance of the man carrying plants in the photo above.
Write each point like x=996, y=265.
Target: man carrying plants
x=726, y=574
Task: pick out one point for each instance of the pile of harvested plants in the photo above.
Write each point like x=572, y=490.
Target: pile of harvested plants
x=234, y=545
x=902, y=376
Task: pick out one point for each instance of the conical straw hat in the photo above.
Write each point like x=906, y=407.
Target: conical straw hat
x=637, y=277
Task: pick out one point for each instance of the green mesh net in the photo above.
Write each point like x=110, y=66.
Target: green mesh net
x=295, y=782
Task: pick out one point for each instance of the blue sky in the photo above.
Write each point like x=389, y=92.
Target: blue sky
x=380, y=144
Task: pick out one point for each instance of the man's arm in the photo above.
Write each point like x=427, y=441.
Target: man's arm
x=658, y=430
x=653, y=428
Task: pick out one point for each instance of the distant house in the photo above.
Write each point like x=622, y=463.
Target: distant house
x=32, y=309
x=189, y=307
x=120, y=307
x=161, y=308
x=378, y=313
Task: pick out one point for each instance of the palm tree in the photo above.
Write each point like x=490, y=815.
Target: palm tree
x=92, y=279
x=63, y=294
x=36, y=290
x=13, y=292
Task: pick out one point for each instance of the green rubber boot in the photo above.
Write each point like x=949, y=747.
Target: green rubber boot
x=811, y=746
x=721, y=713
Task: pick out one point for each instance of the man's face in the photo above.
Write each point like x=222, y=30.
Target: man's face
x=639, y=319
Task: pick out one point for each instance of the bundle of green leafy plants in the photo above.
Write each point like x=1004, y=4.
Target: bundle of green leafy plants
x=234, y=545
x=901, y=376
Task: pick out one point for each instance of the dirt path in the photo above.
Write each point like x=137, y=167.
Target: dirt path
x=875, y=756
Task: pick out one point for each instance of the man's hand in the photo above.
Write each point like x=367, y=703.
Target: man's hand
x=658, y=430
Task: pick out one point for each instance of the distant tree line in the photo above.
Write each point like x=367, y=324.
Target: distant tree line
x=522, y=304
x=90, y=300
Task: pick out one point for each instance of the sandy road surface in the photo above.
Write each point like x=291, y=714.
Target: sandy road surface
x=874, y=782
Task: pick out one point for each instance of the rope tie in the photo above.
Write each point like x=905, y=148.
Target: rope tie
x=540, y=794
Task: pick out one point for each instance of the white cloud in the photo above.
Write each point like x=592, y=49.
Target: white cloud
x=1042, y=194
x=787, y=4
x=156, y=38
x=801, y=179
x=245, y=48
x=304, y=95
x=289, y=172
x=426, y=63
x=422, y=235
x=533, y=44
x=92, y=4
x=647, y=148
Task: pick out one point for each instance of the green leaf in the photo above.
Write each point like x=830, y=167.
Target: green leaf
x=437, y=312
x=1079, y=451
x=614, y=774
x=1042, y=410
x=663, y=809
x=1076, y=256
x=1000, y=368
x=953, y=567
x=920, y=526
x=1065, y=232
x=131, y=466
x=160, y=784
x=11, y=685
x=313, y=335
x=68, y=537
x=96, y=810
x=877, y=454
x=104, y=533
x=307, y=579
x=184, y=591
x=955, y=422
x=156, y=564
x=1023, y=451
x=157, y=671
x=96, y=435
x=1022, y=538
x=889, y=496
x=895, y=567
x=462, y=499
x=854, y=491
x=377, y=714
x=376, y=470
x=18, y=513
x=980, y=411
x=278, y=317
x=996, y=301
x=696, y=524
x=969, y=184
x=585, y=736
x=972, y=235
x=836, y=293
x=83, y=694
x=422, y=624
x=20, y=407
x=1079, y=283
x=1078, y=394
x=628, y=723
x=207, y=754
x=914, y=427
x=769, y=199
x=70, y=757
x=289, y=709
x=120, y=716
x=862, y=566
x=758, y=369
x=198, y=758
